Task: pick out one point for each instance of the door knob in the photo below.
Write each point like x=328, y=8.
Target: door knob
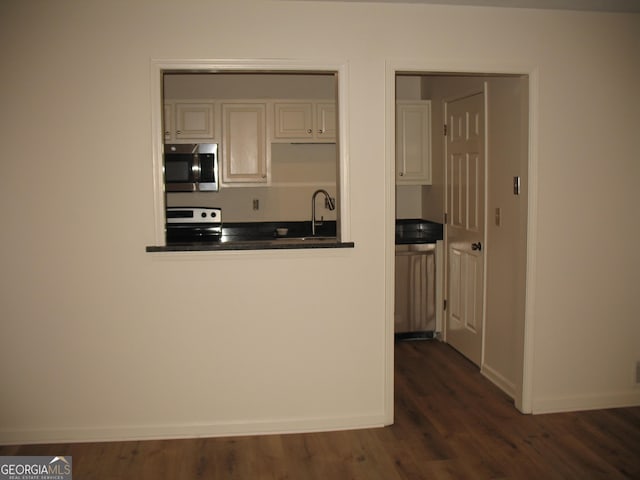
x=476, y=246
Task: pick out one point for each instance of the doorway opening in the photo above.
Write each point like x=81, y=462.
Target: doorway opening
x=495, y=205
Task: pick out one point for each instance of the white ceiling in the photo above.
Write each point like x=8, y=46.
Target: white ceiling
x=592, y=5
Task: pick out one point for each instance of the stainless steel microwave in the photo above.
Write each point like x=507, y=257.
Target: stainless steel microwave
x=190, y=167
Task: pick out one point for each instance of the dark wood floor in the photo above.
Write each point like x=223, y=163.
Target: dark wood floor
x=451, y=423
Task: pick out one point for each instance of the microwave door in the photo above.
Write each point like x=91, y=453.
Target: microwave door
x=180, y=173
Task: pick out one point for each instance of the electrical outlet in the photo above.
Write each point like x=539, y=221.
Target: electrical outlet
x=256, y=204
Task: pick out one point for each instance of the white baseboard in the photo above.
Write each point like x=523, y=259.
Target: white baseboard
x=499, y=380
x=620, y=399
x=29, y=436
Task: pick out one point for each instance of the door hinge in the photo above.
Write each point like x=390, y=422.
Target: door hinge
x=445, y=130
x=444, y=304
x=446, y=218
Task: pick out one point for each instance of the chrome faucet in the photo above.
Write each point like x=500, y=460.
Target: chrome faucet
x=330, y=204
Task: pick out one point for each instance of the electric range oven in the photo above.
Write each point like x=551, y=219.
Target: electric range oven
x=193, y=224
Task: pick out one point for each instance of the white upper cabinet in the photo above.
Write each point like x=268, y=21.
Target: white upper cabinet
x=185, y=122
x=245, y=158
x=413, y=142
x=304, y=121
x=167, y=122
x=326, y=121
x=293, y=120
x=244, y=129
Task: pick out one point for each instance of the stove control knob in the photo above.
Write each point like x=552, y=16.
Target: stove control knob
x=203, y=215
x=213, y=215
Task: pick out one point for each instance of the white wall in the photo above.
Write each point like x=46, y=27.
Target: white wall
x=95, y=344
x=251, y=86
x=507, y=236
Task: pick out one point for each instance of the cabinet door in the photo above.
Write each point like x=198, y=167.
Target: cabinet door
x=414, y=290
x=413, y=143
x=403, y=297
x=293, y=120
x=244, y=146
x=325, y=126
x=194, y=121
x=167, y=122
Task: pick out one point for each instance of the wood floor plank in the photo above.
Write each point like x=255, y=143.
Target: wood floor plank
x=450, y=423
x=598, y=427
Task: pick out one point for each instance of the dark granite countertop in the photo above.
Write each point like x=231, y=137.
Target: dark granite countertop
x=267, y=230
x=260, y=236
x=289, y=244
x=411, y=231
x=263, y=236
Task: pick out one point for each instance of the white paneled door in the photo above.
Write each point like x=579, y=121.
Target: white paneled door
x=465, y=204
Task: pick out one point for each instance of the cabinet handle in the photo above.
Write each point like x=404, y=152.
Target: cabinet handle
x=179, y=132
x=309, y=131
x=321, y=131
x=402, y=174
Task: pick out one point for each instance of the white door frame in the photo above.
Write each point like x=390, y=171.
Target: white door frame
x=523, y=394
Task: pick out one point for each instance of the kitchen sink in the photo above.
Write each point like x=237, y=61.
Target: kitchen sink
x=278, y=240
x=304, y=239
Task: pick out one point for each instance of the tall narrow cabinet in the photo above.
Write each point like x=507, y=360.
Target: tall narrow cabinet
x=244, y=144
x=413, y=142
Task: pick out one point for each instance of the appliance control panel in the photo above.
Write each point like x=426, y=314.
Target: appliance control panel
x=194, y=215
